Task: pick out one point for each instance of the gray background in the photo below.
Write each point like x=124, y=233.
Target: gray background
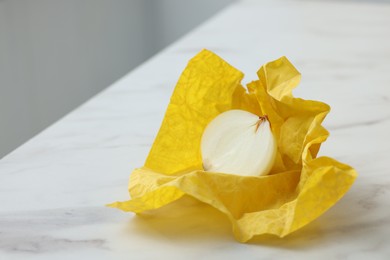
x=55, y=54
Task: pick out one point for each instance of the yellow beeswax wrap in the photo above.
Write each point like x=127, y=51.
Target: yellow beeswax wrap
x=300, y=186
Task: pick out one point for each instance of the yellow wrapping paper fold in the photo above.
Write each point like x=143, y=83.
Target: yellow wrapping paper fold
x=300, y=186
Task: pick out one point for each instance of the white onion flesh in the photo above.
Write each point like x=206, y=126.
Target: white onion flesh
x=238, y=142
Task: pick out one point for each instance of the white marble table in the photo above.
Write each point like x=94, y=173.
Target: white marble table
x=54, y=187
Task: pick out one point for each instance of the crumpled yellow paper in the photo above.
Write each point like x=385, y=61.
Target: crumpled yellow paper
x=300, y=186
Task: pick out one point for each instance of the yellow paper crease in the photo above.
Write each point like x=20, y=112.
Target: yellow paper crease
x=300, y=186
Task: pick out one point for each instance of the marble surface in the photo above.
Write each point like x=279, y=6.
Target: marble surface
x=54, y=187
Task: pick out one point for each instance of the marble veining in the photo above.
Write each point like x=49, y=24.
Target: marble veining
x=32, y=231
x=54, y=187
